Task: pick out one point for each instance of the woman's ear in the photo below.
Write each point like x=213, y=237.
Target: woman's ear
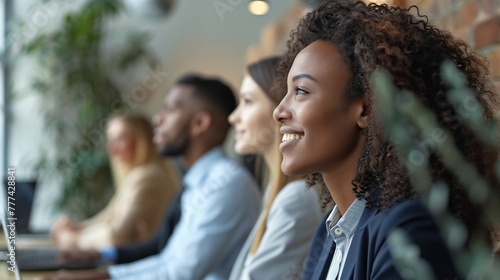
x=362, y=113
x=201, y=123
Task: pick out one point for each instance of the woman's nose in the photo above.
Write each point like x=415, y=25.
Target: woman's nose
x=282, y=112
x=234, y=116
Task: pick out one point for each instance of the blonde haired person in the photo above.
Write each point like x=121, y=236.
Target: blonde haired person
x=278, y=244
x=144, y=182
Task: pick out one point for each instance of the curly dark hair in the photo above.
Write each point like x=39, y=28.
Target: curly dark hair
x=412, y=51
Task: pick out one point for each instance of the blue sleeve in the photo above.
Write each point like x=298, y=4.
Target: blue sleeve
x=109, y=254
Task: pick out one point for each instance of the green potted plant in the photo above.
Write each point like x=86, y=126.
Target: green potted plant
x=78, y=94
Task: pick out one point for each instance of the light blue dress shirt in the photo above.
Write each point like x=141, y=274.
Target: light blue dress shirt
x=220, y=204
x=342, y=229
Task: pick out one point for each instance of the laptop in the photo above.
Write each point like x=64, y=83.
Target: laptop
x=44, y=259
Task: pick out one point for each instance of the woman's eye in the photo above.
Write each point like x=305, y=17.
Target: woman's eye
x=299, y=91
x=247, y=101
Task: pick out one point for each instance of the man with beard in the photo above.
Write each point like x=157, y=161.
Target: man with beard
x=220, y=201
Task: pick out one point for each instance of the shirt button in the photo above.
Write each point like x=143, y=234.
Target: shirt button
x=337, y=231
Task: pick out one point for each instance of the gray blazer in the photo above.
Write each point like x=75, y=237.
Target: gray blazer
x=293, y=218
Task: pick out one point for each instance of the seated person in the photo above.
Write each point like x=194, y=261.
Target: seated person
x=133, y=252
x=144, y=187
x=330, y=107
x=281, y=238
x=220, y=202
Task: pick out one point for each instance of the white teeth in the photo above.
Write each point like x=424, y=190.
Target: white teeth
x=288, y=137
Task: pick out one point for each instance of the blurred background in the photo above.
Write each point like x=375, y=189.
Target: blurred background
x=67, y=64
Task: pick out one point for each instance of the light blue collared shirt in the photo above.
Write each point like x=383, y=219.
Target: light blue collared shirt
x=220, y=204
x=342, y=229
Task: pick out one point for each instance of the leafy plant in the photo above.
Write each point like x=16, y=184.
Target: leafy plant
x=404, y=118
x=78, y=94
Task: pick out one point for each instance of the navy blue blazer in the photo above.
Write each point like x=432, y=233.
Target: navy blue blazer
x=369, y=256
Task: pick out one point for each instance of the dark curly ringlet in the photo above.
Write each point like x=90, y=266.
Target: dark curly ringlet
x=412, y=50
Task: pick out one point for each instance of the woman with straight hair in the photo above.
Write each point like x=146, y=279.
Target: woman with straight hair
x=278, y=244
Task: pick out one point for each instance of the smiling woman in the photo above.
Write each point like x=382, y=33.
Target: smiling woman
x=318, y=79
x=279, y=241
x=329, y=108
x=255, y=125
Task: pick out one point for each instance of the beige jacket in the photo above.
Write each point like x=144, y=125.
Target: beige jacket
x=135, y=211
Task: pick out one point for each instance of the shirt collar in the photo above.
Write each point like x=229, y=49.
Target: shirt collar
x=200, y=169
x=349, y=222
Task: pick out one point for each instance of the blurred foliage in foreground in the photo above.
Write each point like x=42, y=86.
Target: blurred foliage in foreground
x=404, y=118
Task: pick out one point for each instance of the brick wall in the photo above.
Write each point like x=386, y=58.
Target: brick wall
x=475, y=21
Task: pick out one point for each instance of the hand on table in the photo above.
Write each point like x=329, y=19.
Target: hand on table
x=61, y=223
x=64, y=232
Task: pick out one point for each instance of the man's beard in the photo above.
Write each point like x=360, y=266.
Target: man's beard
x=173, y=151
